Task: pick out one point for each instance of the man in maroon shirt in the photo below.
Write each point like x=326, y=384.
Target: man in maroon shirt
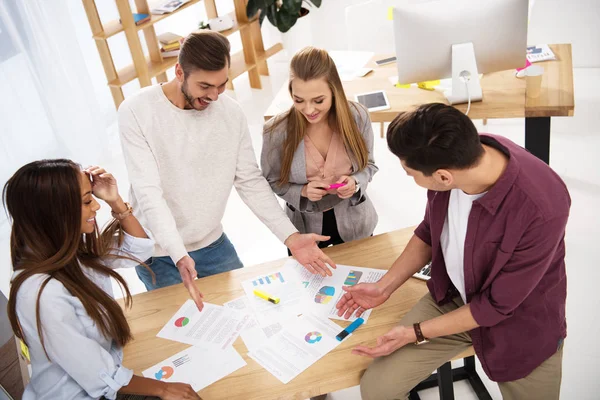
x=494, y=232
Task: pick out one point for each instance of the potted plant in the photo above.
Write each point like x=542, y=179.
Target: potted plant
x=282, y=14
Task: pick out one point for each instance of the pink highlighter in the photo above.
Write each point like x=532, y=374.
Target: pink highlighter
x=337, y=185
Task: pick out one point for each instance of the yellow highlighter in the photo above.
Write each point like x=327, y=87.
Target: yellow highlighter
x=268, y=297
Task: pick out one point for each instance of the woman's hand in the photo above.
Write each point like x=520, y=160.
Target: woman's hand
x=315, y=190
x=104, y=185
x=346, y=191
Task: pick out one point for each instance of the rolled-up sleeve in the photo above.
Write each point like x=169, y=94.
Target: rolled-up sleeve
x=526, y=266
x=364, y=176
x=83, y=359
x=133, y=247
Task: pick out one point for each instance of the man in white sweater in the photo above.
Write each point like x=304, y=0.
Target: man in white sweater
x=184, y=150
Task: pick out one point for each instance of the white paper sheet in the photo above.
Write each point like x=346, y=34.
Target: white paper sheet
x=350, y=63
x=277, y=284
x=197, y=366
x=302, y=342
x=253, y=335
x=323, y=293
x=215, y=325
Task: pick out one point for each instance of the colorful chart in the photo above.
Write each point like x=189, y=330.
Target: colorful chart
x=268, y=279
x=313, y=337
x=325, y=295
x=164, y=373
x=353, y=278
x=181, y=322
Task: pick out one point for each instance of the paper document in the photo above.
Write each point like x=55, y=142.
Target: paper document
x=215, y=325
x=197, y=366
x=538, y=53
x=324, y=292
x=350, y=63
x=168, y=6
x=254, y=335
x=302, y=342
x=276, y=284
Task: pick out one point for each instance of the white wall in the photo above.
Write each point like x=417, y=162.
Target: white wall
x=576, y=22
x=552, y=21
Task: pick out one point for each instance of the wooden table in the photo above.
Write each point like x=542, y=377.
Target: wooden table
x=337, y=370
x=503, y=97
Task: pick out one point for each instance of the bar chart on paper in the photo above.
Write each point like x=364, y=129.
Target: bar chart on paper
x=269, y=279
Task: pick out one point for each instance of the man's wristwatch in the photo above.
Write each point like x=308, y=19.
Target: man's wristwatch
x=124, y=214
x=420, y=338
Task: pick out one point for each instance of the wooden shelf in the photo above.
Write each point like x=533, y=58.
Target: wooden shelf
x=238, y=65
x=114, y=27
x=238, y=27
x=145, y=68
x=276, y=48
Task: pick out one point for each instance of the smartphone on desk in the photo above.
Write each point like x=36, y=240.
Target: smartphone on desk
x=385, y=61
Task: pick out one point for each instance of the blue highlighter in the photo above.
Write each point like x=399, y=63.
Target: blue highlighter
x=351, y=328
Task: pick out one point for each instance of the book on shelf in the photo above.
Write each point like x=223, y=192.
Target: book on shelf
x=169, y=38
x=139, y=18
x=168, y=6
x=172, y=46
x=167, y=54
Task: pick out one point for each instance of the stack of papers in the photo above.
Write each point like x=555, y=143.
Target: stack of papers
x=285, y=338
x=212, y=332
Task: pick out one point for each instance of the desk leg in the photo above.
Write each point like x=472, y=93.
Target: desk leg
x=537, y=137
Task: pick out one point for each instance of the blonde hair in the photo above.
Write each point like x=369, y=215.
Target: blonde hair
x=308, y=64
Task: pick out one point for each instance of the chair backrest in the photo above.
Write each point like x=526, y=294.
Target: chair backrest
x=14, y=375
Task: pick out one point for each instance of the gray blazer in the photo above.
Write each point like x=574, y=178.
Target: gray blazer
x=356, y=217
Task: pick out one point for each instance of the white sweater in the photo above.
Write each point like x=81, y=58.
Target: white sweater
x=182, y=165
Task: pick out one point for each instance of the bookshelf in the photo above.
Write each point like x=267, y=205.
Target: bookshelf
x=252, y=59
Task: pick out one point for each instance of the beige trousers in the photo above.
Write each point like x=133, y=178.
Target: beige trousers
x=394, y=376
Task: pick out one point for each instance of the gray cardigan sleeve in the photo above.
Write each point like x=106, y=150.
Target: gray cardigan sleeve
x=363, y=121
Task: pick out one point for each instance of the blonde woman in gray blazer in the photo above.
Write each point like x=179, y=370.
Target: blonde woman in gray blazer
x=323, y=140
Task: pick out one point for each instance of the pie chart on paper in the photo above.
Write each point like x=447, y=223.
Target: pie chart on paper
x=324, y=295
x=313, y=337
x=164, y=373
x=181, y=322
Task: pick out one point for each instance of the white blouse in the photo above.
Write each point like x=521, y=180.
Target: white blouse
x=83, y=363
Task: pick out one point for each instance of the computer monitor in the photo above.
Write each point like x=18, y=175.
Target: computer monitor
x=459, y=39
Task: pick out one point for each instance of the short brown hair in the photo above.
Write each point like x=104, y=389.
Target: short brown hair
x=435, y=136
x=206, y=50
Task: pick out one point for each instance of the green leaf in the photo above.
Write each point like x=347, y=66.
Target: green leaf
x=291, y=6
x=286, y=20
x=252, y=8
x=316, y=3
x=271, y=12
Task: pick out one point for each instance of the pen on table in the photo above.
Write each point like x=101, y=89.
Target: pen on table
x=351, y=328
x=266, y=296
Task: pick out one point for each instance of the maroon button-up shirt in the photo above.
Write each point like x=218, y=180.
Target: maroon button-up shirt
x=514, y=263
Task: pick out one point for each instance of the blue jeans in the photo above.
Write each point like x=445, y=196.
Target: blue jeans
x=219, y=256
